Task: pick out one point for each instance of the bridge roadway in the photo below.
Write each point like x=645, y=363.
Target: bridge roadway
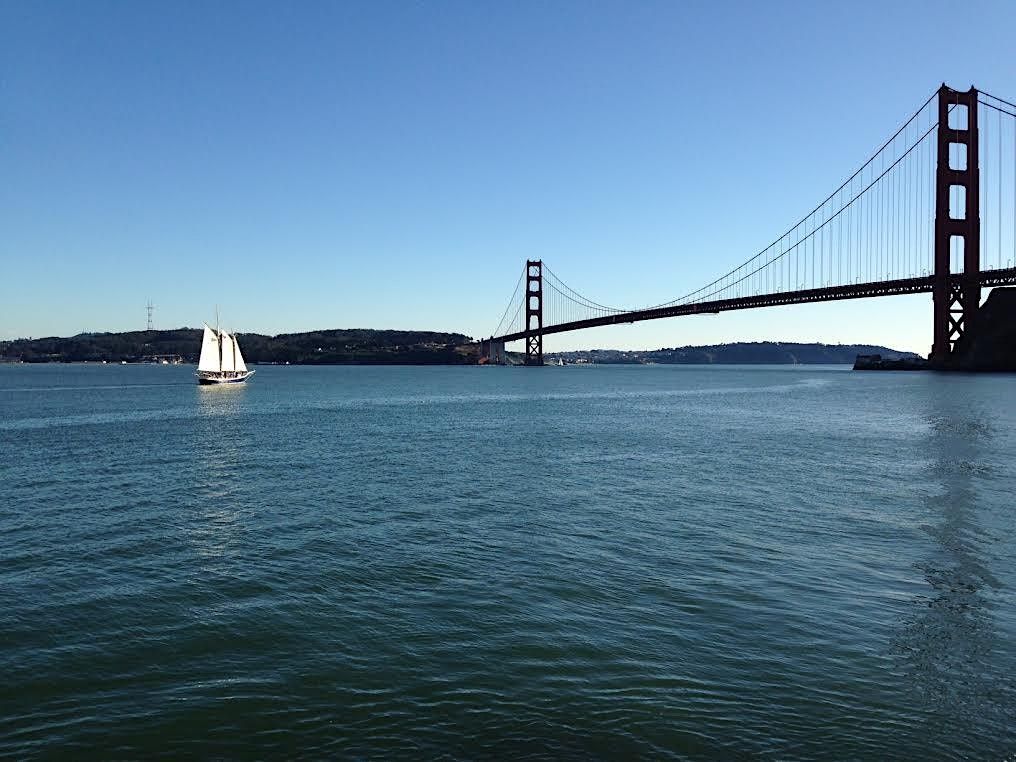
x=924, y=284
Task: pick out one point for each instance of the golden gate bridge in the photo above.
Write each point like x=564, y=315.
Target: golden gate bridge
x=933, y=210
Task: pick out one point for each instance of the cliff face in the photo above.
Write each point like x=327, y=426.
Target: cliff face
x=994, y=348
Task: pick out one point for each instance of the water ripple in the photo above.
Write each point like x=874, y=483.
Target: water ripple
x=464, y=563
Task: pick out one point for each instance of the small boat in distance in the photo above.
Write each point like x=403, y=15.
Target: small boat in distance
x=221, y=361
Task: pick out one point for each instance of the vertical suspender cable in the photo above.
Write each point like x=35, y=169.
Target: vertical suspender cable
x=908, y=215
x=905, y=221
x=904, y=187
x=812, y=238
x=894, y=220
x=878, y=228
x=891, y=209
x=821, y=255
x=919, y=229
x=850, y=234
x=986, y=177
x=839, y=245
x=866, y=227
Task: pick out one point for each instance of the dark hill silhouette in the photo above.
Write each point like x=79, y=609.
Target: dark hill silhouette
x=740, y=353
x=339, y=346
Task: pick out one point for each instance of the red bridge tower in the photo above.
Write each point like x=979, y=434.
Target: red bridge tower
x=957, y=296
x=534, y=312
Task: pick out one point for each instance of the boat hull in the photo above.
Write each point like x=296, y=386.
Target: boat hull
x=214, y=378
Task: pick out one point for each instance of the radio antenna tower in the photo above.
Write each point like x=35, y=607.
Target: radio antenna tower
x=150, y=308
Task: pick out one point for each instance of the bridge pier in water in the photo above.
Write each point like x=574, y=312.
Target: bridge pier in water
x=493, y=352
x=534, y=312
x=956, y=300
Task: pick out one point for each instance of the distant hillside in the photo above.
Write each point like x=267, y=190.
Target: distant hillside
x=341, y=346
x=365, y=346
x=758, y=353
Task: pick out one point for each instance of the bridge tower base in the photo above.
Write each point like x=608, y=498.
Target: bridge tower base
x=492, y=352
x=957, y=296
x=534, y=312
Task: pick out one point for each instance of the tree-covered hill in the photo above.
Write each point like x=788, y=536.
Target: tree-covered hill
x=740, y=353
x=366, y=346
x=340, y=346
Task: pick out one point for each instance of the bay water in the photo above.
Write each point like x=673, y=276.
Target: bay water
x=437, y=562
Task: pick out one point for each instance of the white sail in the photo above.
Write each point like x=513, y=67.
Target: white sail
x=221, y=361
x=209, y=351
x=227, y=351
x=238, y=362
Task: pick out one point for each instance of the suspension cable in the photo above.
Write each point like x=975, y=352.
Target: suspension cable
x=898, y=199
x=579, y=297
x=812, y=233
x=995, y=97
x=518, y=285
x=802, y=220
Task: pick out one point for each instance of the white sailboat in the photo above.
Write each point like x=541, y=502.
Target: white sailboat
x=221, y=361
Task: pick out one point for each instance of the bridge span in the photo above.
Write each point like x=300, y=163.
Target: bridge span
x=932, y=211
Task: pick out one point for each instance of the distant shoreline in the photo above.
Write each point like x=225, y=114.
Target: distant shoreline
x=48, y=363
x=181, y=345
x=360, y=346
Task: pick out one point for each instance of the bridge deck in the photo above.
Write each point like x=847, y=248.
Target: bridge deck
x=924, y=284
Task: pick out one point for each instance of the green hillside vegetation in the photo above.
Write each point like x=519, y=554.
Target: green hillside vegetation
x=363, y=346
x=740, y=353
x=331, y=347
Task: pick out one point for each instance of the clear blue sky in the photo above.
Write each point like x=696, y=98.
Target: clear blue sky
x=391, y=164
